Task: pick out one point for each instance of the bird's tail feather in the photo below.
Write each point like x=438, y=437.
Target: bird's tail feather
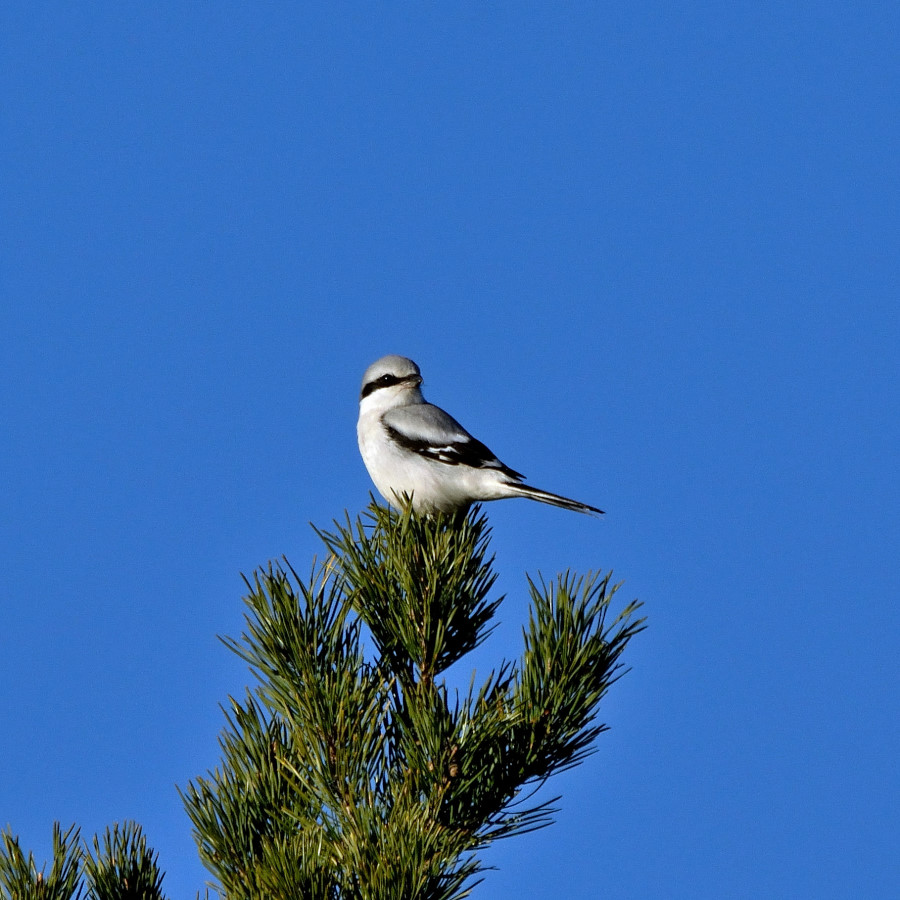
x=533, y=493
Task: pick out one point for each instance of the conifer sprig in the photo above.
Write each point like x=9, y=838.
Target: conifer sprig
x=122, y=866
x=20, y=878
x=419, y=583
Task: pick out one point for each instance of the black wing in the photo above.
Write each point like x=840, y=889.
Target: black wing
x=430, y=432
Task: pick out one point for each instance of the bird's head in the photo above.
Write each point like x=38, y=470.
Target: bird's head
x=391, y=381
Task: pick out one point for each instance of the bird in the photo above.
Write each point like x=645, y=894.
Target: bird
x=411, y=447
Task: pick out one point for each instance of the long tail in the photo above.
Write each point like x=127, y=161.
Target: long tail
x=533, y=493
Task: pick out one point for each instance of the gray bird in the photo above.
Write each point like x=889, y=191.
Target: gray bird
x=411, y=447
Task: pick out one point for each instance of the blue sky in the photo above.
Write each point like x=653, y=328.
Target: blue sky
x=647, y=253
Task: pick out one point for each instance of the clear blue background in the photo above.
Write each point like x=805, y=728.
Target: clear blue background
x=647, y=252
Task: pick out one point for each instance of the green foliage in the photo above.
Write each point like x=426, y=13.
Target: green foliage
x=420, y=584
x=121, y=868
x=20, y=879
x=350, y=772
x=353, y=773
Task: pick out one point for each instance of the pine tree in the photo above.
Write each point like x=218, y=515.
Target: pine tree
x=351, y=770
